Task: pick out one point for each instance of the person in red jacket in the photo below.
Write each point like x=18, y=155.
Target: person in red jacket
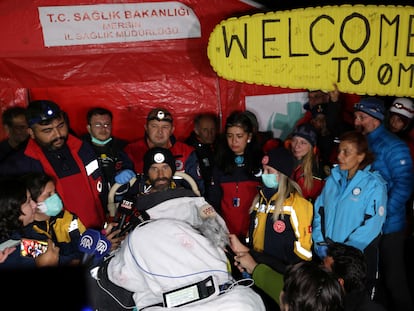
x=308, y=171
x=159, y=130
x=69, y=160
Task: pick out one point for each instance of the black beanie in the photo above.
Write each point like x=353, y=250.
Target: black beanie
x=158, y=155
x=306, y=131
x=280, y=159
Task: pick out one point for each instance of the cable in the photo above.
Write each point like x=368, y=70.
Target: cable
x=169, y=276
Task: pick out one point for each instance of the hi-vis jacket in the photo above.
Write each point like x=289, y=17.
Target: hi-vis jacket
x=351, y=212
x=65, y=230
x=289, y=239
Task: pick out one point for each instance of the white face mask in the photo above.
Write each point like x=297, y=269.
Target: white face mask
x=270, y=181
x=51, y=206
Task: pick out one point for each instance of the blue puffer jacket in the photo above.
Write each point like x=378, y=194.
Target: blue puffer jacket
x=354, y=211
x=394, y=163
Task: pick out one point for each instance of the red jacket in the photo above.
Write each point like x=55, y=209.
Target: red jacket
x=81, y=191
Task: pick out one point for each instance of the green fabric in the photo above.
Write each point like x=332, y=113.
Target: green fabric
x=267, y=279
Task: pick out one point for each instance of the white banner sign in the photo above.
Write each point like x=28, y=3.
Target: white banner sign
x=109, y=23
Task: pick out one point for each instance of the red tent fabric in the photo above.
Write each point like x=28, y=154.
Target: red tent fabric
x=129, y=78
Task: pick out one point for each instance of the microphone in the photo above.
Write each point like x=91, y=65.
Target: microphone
x=87, y=245
x=125, y=209
x=135, y=219
x=102, y=248
x=231, y=255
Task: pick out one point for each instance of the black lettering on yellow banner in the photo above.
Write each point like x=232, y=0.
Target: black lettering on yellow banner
x=364, y=49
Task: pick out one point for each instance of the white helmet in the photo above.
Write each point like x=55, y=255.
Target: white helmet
x=403, y=106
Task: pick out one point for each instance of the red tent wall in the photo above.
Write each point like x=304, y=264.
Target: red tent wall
x=128, y=78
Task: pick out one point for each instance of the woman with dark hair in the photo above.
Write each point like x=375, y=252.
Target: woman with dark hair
x=236, y=174
x=351, y=206
x=308, y=286
x=17, y=210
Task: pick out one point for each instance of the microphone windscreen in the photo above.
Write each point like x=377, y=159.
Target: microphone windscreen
x=89, y=240
x=103, y=248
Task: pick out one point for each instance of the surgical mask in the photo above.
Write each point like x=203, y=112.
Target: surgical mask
x=51, y=206
x=270, y=181
x=100, y=142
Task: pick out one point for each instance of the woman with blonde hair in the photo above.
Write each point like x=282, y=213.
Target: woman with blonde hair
x=281, y=218
x=307, y=172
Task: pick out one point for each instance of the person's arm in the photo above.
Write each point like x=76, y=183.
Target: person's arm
x=4, y=254
x=265, y=278
x=374, y=204
x=269, y=280
x=317, y=224
x=50, y=257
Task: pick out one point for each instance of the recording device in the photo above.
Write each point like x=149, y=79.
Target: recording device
x=190, y=293
x=125, y=209
x=129, y=216
x=87, y=245
x=134, y=220
x=102, y=248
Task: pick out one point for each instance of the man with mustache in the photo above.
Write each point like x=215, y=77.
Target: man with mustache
x=159, y=169
x=69, y=160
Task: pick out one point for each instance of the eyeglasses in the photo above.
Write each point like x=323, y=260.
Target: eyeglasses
x=100, y=125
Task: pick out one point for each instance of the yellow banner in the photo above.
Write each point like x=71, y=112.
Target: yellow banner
x=364, y=49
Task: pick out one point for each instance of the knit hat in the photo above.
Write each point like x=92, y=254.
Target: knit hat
x=158, y=155
x=42, y=110
x=372, y=106
x=280, y=159
x=403, y=107
x=160, y=114
x=306, y=131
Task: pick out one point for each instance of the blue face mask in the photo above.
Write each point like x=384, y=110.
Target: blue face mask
x=51, y=206
x=100, y=142
x=270, y=181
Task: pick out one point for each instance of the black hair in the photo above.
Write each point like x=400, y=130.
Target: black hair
x=36, y=183
x=10, y=113
x=253, y=154
x=13, y=193
x=310, y=287
x=349, y=264
x=206, y=115
x=97, y=111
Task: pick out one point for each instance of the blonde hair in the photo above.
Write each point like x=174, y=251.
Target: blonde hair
x=308, y=162
x=286, y=187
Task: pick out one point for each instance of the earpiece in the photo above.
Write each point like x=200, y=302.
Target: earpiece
x=248, y=141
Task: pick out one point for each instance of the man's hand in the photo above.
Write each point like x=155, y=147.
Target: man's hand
x=334, y=95
x=124, y=176
x=50, y=258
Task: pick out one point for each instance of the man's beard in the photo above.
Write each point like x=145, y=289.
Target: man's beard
x=163, y=186
x=50, y=146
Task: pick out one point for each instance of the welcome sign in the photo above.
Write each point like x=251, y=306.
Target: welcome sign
x=364, y=49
